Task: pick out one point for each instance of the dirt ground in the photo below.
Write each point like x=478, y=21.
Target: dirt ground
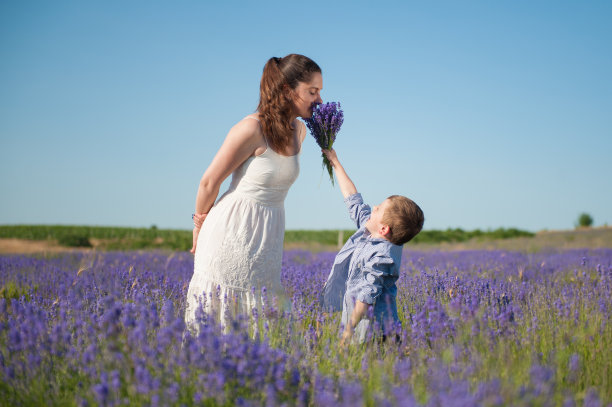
x=21, y=246
x=592, y=238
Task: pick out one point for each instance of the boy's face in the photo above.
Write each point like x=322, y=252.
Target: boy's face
x=375, y=224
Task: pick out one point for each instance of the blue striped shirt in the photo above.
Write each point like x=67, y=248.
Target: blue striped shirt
x=365, y=269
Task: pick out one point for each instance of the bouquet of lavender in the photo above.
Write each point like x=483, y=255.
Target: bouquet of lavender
x=325, y=123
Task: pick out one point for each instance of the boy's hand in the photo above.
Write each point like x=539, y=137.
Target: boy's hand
x=331, y=156
x=346, y=185
x=360, y=310
x=347, y=335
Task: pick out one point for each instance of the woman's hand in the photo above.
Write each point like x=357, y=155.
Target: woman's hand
x=196, y=232
x=241, y=142
x=198, y=220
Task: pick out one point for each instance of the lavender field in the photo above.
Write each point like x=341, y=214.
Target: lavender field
x=490, y=328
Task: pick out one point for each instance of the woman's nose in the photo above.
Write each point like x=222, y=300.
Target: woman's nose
x=319, y=100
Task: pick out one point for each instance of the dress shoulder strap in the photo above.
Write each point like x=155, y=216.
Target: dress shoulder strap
x=264, y=136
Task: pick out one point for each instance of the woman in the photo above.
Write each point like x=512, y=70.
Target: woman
x=238, y=241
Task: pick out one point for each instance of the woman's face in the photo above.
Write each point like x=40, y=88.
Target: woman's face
x=306, y=94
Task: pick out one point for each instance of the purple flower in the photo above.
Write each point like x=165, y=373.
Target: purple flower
x=126, y=343
x=115, y=380
x=592, y=398
x=324, y=125
x=574, y=363
x=101, y=392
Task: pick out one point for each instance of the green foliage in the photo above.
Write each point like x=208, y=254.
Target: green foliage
x=326, y=237
x=74, y=240
x=108, y=237
x=585, y=220
x=120, y=238
x=12, y=290
x=459, y=235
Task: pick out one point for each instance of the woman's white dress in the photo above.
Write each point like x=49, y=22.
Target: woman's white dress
x=240, y=247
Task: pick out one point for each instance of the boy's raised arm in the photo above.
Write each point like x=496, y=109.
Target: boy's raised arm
x=346, y=185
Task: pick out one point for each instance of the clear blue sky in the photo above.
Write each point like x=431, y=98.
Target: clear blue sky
x=487, y=113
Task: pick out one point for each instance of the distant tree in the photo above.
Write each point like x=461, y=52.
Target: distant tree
x=585, y=220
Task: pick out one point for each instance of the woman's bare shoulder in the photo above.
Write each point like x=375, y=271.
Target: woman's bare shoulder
x=302, y=131
x=246, y=129
x=246, y=136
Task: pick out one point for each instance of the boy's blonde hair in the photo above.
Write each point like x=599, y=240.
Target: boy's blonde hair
x=404, y=218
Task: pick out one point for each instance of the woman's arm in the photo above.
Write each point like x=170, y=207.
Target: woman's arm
x=240, y=143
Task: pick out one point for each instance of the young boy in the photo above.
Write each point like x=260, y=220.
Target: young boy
x=366, y=268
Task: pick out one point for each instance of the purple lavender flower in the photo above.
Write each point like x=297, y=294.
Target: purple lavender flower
x=126, y=343
x=101, y=392
x=324, y=125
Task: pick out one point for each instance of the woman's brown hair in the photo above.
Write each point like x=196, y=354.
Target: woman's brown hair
x=280, y=76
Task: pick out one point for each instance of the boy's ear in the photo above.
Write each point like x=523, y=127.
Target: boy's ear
x=384, y=230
